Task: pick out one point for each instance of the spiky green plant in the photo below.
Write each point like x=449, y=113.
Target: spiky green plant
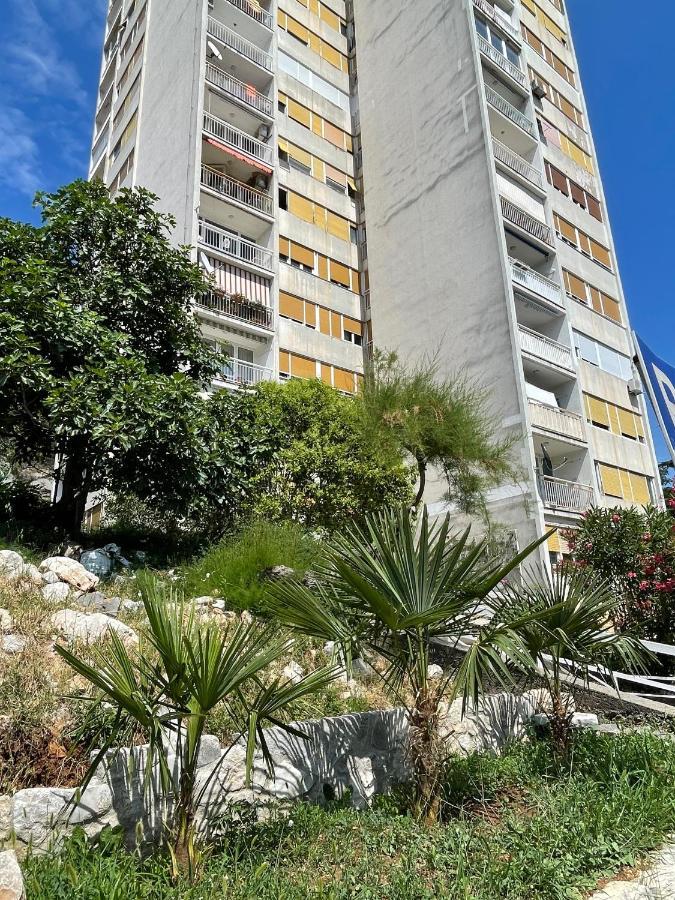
x=171, y=683
x=392, y=588
x=565, y=622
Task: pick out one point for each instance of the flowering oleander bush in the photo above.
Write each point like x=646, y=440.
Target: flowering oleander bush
x=633, y=549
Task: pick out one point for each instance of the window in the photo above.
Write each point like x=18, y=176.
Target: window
x=353, y=234
x=570, y=188
x=585, y=293
x=631, y=486
x=281, y=106
x=620, y=421
x=578, y=239
x=494, y=37
x=547, y=54
x=283, y=199
x=603, y=357
x=296, y=70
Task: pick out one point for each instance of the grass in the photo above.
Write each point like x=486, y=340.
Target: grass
x=516, y=828
x=232, y=569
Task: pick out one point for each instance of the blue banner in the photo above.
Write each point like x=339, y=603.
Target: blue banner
x=660, y=382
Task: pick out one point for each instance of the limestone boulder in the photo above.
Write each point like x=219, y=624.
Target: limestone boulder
x=71, y=571
x=11, y=565
x=11, y=879
x=12, y=644
x=6, y=622
x=56, y=592
x=78, y=626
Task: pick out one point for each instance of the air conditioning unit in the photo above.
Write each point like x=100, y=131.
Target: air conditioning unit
x=635, y=387
x=538, y=89
x=263, y=132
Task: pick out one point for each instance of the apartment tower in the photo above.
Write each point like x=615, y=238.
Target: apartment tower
x=458, y=132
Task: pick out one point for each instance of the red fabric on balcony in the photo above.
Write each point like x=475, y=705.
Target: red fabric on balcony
x=242, y=156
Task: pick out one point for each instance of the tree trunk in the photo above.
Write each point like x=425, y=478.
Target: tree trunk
x=422, y=475
x=70, y=506
x=427, y=758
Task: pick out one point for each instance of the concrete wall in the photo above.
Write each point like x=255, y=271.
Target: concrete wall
x=364, y=753
x=169, y=129
x=436, y=253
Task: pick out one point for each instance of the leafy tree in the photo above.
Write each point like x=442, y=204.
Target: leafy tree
x=168, y=686
x=634, y=551
x=391, y=588
x=567, y=617
x=438, y=421
x=316, y=466
x=101, y=362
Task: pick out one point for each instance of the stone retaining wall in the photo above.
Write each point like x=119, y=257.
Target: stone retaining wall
x=363, y=753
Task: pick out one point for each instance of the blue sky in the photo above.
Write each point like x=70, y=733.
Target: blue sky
x=49, y=62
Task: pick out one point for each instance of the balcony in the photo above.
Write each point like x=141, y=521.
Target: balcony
x=509, y=110
x=526, y=222
x=237, y=307
x=255, y=12
x=238, y=140
x=537, y=284
x=244, y=374
x=535, y=344
x=245, y=93
x=488, y=10
x=237, y=247
x=237, y=43
x=517, y=164
x=237, y=191
x=569, y=496
x=498, y=58
x=557, y=421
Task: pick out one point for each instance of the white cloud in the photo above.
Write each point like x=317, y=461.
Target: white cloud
x=19, y=160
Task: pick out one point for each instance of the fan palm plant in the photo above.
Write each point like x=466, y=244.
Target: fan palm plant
x=565, y=622
x=393, y=587
x=168, y=687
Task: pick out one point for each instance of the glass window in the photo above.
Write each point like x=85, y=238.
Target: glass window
x=513, y=55
x=482, y=28
x=497, y=42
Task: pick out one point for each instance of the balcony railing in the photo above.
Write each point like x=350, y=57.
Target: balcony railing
x=557, y=421
x=509, y=110
x=568, y=495
x=537, y=283
x=244, y=92
x=237, y=139
x=237, y=43
x=232, y=245
x=524, y=220
x=505, y=155
x=544, y=348
x=237, y=191
x=254, y=11
x=502, y=61
x=488, y=9
x=244, y=373
x=237, y=308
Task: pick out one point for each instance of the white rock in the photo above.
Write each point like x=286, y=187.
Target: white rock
x=363, y=670
x=329, y=648
x=11, y=879
x=246, y=618
x=6, y=622
x=202, y=601
x=78, y=626
x=584, y=720
x=293, y=672
x=434, y=671
x=5, y=818
x=71, y=571
x=32, y=574
x=55, y=593
x=11, y=565
x=12, y=644
x=50, y=578
x=131, y=606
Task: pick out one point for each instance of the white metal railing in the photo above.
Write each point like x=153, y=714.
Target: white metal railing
x=235, y=371
x=244, y=92
x=232, y=136
x=502, y=61
x=232, y=245
x=237, y=191
x=544, y=348
x=255, y=11
x=505, y=155
x=524, y=220
x=537, y=283
x=509, y=110
x=558, y=421
x=494, y=16
x=236, y=42
x=556, y=493
x=100, y=145
x=239, y=308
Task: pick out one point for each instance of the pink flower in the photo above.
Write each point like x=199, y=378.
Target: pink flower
x=646, y=536
x=671, y=504
x=644, y=585
x=616, y=518
x=631, y=575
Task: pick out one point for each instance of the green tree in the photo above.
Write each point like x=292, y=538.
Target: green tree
x=101, y=362
x=391, y=588
x=168, y=686
x=438, y=421
x=316, y=466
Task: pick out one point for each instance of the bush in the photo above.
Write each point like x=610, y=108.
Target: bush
x=232, y=570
